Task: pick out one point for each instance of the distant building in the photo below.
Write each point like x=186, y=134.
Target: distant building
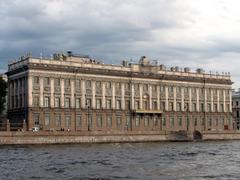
x=4, y=77
x=78, y=93
x=236, y=108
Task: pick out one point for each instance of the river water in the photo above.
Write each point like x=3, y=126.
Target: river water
x=182, y=160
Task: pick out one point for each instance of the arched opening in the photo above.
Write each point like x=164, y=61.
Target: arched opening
x=197, y=135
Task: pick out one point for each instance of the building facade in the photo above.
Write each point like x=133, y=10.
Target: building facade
x=4, y=113
x=77, y=93
x=236, y=108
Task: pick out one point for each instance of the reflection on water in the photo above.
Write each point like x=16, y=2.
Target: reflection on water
x=196, y=160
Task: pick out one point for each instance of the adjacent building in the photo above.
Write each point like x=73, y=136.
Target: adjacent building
x=4, y=113
x=77, y=93
x=236, y=108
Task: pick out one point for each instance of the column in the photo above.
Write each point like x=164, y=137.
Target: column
x=224, y=101
x=23, y=91
x=132, y=96
x=158, y=97
x=230, y=100
x=174, y=99
x=123, y=95
x=83, y=91
x=41, y=91
x=205, y=100
x=141, y=96
x=10, y=94
x=14, y=94
x=113, y=95
x=103, y=95
x=62, y=92
x=18, y=93
x=72, y=93
x=182, y=99
x=94, y=94
x=30, y=88
x=218, y=104
x=150, y=96
x=166, y=98
x=197, y=93
x=52, y=93
x=190, y=98
x=211, y=91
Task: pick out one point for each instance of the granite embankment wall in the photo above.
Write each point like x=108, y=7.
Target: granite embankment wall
x=11, y=138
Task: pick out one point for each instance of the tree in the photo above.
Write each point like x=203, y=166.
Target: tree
x=3, y=93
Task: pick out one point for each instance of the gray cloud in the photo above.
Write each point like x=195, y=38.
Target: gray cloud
x=174, y=32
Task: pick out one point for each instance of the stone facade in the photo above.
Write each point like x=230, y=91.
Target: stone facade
x=236, y=108
x=80, y=94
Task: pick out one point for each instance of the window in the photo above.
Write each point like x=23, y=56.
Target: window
x=127, y=104
x=78, y=84
x=118, y=85
x=89, y=120
x=79, y=121
x=236, y=103
x=137, y=105
x=109, y=121
x=163, y=120
x=154, y=87
x=67, y=102
x=47, y=119
x=88, y=103
x=67, y=82
x=118, y=105
x=57, y=82
x=172, y=121
x=163, y=106
x=68, y=121
x=203, y=121
x=127, y=86
x=209, y=122
x=216, y=122
x=36, y=119
x=128, y=120
x=170, y=106
x=137, y=121
x=179, y=120
x=185, y=90
x=221, y=108
x=145, y=105
x=136, y=87
x=88, y=84
x=195, y=122
x=98, y=85
x=186, y=106
x=162, y=89
x=108, y=85
x=179, y=106
x=99, y=121
x=194, y=107
x=170, y=89
x=202, y=107
x=109, y=104
x=35, y=80
x=146, y=121
x=46, y=101
x=57, y=102
x=78, y=102
x=209, y=107
x=119, y=121
x=145, y=87
x=179, y=89
x=46, y=81
x=215, y=108
x=99, y=103
x=58, y=120
x=155, y=105
x=36, y=101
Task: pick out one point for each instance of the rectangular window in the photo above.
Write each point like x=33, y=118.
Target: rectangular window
x=47, y=119
x=68, y=121
x=221, y=108
x=119, y=121
x=57, y=102
x=35, y=80
x=46, y=101
x=215, y=108
x=137, y=121
x=179, y=106
x=67, y=102
x=78, y=102
x=88, y=84
x=58, y=120
x=46, y=81
x=109, y=121
x=67, y=82
x=137, y=105
x=118, y=105
x=88, y=103
x=108, y=85
x=209, y=107
x=98, y=103
x=99, y=121
x=78, y=84
x=36, y=101
x=118, y=85
x=163, y=120
x=194, y=107
x=98, y=85
x=216, y=122
x=146, y=121
x=172, y=121
x=202, y=107
x=145, y=87
x=136, y=87
x=155, y=105
x=195, y=122
x=79, y=121
x=36, y=119
x=209, y=122
x=57, y=82
x=127, y=86
x=127, y=104
x=179, y=120
x=163, y=106
x=154, y=88
x=89, y=120
x=170, y=106
x=109, y=104
x=128, y=119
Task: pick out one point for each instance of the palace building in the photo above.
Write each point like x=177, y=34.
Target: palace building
x=77, y=93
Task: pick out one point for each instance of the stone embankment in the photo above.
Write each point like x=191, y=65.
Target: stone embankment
x=10, y=138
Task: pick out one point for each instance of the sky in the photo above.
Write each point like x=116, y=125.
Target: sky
x=186, y=33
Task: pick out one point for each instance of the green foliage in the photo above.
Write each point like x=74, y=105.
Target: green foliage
x=3, y=93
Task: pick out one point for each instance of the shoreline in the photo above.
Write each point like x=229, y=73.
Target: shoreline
x=41, y=137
